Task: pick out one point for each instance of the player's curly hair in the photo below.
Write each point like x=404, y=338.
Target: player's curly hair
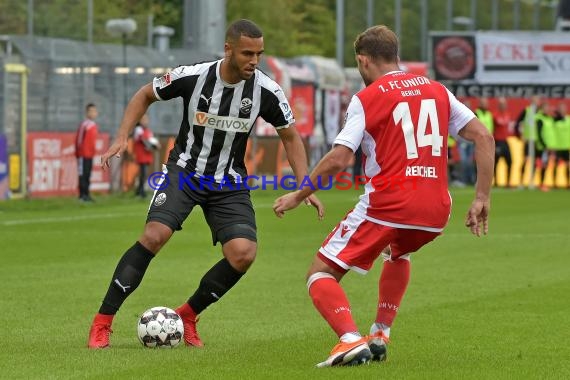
x=242, y=27
x=379, y=43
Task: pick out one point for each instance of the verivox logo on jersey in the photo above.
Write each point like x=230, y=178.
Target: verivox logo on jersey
x=223, y=123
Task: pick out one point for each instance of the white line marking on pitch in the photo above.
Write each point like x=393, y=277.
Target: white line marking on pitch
x=65, y=218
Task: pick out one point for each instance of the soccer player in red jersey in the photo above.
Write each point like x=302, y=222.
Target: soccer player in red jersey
x=401, y=121
x=85, y=140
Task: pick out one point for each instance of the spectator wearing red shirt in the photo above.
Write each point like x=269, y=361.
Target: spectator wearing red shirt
x=85, y=150
x=503, y=123
x=144, y=147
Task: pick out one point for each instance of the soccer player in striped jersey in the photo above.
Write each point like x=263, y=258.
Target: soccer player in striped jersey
x=402, y=122
x=221, y=101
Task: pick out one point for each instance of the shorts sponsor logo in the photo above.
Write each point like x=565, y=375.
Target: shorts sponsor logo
x=222, y=123
x=164, y=80
x=160, y=199
x=246, y=105
x=344, y=230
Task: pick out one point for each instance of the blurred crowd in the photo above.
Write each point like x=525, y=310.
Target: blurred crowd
x=532, y=147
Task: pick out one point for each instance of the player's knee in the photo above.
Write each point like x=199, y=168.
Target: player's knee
x=240, y=253
x=155, y=236
x=312, y=277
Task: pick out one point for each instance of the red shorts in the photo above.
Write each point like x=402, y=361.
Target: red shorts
x=356, y=243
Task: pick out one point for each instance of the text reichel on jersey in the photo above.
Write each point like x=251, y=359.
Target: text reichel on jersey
x=218, y=117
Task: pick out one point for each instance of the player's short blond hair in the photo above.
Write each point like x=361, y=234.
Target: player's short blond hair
x=379, y=43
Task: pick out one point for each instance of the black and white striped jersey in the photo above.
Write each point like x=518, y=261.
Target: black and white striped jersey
x=218, y=117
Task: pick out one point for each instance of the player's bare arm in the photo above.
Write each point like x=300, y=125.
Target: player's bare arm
x=136, y=108
x=331, y=164
x=477, y=218
x=298, y=160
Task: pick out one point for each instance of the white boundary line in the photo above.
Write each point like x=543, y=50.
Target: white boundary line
x=66, y=218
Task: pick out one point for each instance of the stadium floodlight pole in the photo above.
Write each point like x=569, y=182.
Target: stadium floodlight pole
x=398, y=21
x=449, y=8
x=369, y=13
x=90, y=22
x=30, y=18
x=516, y=14
x=340, y=32
x=122, y=27
x=424, y=29
x=473, y=15
x=495, y=15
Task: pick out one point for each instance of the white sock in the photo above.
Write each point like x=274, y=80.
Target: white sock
x=380, y=326
x=350, y=337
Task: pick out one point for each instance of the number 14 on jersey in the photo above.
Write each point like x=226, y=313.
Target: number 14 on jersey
x=428, y=111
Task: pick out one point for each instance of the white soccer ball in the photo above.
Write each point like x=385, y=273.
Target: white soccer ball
x=160, y=327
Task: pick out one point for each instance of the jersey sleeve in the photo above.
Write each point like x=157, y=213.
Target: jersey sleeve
x=459, y=115
x=275, y=108
x=353, y=131
x=172, y=84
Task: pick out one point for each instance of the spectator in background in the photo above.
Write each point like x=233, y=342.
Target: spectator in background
x=453, y=163
x=503, y=125
x=562, y=138
x=85, y=150
x=531, y=121
x=484, y=115
x=145, y=144
x=466, y=157
x=545, y=125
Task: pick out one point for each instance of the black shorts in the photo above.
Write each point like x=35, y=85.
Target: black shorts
x=537, y=152
x=228, y=212
x=502, y=150
x=563, y=155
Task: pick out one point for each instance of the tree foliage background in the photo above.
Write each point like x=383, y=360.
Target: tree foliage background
x=290, y=27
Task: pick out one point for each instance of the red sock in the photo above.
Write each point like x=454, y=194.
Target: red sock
x=105, y=319
x=330, y=300
x=185, y=311
x=393, y=283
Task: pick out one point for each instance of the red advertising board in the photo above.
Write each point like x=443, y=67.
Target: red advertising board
x=303, y=105
x=302, y=102
x=52, y=165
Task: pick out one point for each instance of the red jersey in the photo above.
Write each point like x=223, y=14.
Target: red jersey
x=143, y=153
x=502, y=126
x=402, y=122
x=85, y=139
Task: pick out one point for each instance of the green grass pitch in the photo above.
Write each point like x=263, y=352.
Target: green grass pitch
x=496, y=307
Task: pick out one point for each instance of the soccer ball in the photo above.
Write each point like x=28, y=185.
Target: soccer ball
x=160, y=327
